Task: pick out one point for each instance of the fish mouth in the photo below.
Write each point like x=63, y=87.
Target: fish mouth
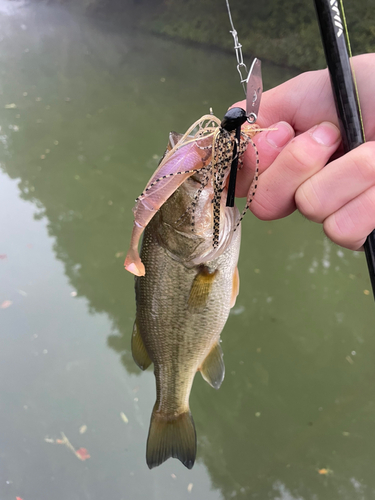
x=228, y=231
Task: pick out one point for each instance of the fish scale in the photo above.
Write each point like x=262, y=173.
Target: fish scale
x=186, y=337
x=178, y=337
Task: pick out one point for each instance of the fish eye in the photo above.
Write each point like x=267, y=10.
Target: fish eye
x=233, y=118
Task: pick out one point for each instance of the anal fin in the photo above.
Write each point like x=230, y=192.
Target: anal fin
x=139, y=352
x=213, y=368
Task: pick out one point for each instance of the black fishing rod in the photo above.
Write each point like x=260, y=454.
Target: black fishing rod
x=336, y=45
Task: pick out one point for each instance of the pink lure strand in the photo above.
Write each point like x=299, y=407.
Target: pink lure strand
x=187, y=158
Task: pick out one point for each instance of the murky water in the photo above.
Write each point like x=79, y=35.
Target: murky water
x=85, y=113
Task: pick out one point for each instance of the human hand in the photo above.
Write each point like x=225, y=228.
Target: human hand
x=341, y=196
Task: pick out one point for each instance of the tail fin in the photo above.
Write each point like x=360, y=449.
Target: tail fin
x=171, y=437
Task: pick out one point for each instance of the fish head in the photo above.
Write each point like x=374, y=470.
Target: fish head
x=185, y=222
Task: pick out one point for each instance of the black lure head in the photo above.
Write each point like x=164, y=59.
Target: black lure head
x=233, y=119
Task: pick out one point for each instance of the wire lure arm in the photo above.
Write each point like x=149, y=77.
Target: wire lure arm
x=236, y=117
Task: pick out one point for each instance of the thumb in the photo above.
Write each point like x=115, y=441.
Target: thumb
x=266, y=145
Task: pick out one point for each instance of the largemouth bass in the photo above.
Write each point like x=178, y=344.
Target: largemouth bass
x=186, y=279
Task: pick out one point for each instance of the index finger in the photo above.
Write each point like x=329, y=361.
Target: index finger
x=302, y=102
x=306, y=100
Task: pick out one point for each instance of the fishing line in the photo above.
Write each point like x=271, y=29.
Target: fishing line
x=238, y=50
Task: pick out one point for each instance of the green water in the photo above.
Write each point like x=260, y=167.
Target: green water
x=93, y=108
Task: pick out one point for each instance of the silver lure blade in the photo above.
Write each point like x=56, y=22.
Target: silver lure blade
x=254, y=90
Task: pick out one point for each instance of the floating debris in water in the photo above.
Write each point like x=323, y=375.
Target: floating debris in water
x=81, y=453
x=6, y=304
x=22, y=292
x=349, y=360
x=173, y=476
x=83, y=429
x=10, y=106
x=346, y=434
x=325, y=472
x=237, y=310
x=190, y=487
x=56, y=143
x=258, y=414
x=38, y=99
x=119, y=254
x=124, y=417
x=3, y=256
x=73, y=294
x=366, y=292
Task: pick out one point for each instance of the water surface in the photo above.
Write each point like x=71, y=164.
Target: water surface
x=86, y=109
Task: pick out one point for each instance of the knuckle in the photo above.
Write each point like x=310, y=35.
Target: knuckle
x=340, y=229
x=351, y=224
x=364, y=163
x=308, y=202
x=262, y=211
x=295, y=158
x=267, y=209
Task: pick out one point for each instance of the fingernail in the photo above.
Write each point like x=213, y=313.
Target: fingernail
x=326, y=134
x=280, y=136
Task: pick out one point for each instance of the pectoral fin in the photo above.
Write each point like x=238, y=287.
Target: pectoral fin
x=201, y=288
x=235, y=287
x=139, y=352
x=213, y=368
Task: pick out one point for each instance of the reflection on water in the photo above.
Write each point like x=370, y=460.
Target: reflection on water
x=86, y=111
